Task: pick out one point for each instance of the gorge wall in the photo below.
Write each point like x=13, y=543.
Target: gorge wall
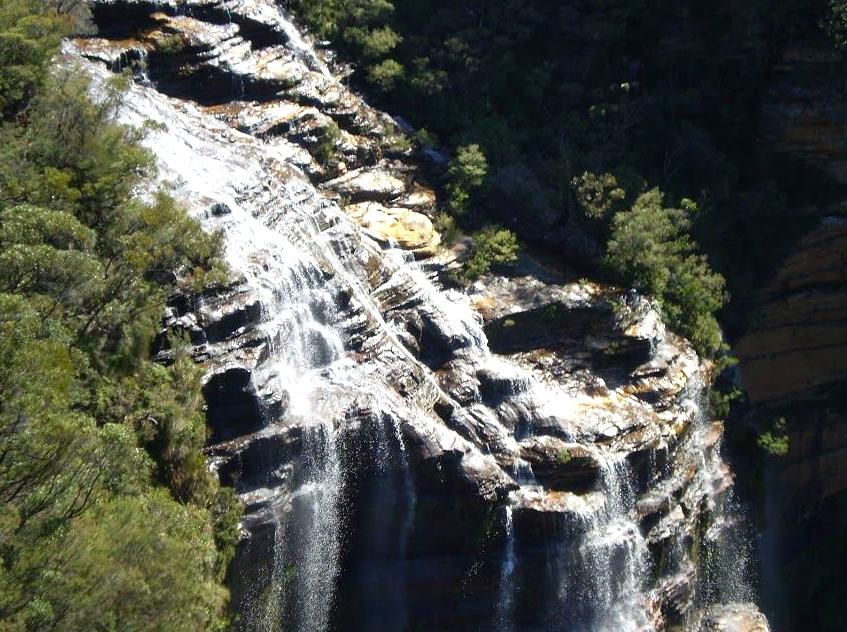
x=794, y=358
x=530, y=454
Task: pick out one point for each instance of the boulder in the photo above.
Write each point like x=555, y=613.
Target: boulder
x=394, y=225
x=735, y=617
x=362, y=185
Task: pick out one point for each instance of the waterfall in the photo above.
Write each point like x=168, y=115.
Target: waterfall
x=603, y=566
x=359, y=413
x=319, y=537
x=301, y=48
x=271, y=618
x=617, y=554
x=505, y=604
x=386, y=509
x=726, y=573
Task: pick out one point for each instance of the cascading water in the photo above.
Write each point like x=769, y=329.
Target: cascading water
x=319, y=535
x=505, y=604
x=726, y=571
x=616, y=555
x=378, y=387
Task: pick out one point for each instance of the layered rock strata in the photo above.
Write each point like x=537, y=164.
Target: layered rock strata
x=531, y=454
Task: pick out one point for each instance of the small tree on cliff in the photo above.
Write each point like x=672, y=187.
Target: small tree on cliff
x=466, y=176
x=491, y=245
x=651, y=248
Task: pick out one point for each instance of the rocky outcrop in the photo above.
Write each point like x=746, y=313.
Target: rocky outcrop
x=803, y=112
x=396, y=451
x=248, y=66
x=734, y=618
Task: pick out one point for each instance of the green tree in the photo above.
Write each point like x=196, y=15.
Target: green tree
x=466, y=177
x=598, y=197
x=492, y=245
x=109, y=518
x=377, y=43
x=386, y=74
x=29, y=33
x=160, y=559
x=650, y=248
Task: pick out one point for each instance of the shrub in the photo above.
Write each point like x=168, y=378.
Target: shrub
x=466, y=176
x=774, y=442
x=445, y=224
x=377, y=43
x=326, y=149
x=650, y=248
x=598, y=197
x=385, y=75
x=491, y=245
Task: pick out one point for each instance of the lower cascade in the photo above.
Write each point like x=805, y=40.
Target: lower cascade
x=531, y=454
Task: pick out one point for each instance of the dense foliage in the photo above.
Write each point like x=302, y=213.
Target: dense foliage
x=650, y=246
x=559, y=97
x=109, y=520
x=492, y=245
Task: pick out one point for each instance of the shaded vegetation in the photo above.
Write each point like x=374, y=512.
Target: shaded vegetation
x=580, y=108
x=110, y=519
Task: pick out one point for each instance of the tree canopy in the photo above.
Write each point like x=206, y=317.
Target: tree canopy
x=110, y=520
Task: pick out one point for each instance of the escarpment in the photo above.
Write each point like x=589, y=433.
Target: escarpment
x=529, y=454
x=794, y=356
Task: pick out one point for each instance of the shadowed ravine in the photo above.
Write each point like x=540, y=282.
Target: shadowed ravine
x=396, y=473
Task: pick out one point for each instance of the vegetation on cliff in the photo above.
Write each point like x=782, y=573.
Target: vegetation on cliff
x=109, y=517
x=560, y=97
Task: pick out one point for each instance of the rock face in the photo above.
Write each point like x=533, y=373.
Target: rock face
x=734, y=618
x=794, y=359
x=541, y=463
x=800, y=343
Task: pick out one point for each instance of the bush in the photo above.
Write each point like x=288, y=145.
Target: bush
x=377, y=43
x=445, y=224
x=650, y=248
x=774, y=442
x=466, y=176
x=326, y=149
x=492, y=245
x=598, y=197
x=385, y=75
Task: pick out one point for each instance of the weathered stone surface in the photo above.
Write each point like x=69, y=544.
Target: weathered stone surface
x=800, y=343
x=560, y=465
x=362, y=185
x=393, y=225
x=804, y=112
x=734, y=618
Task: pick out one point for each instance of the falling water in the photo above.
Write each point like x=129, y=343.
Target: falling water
x=617, y=554
x=317, y=501
x=505, y=605
x=391, y=527
x=603, y=562
x=271, y=619
x=301, y=48
x=726, y=572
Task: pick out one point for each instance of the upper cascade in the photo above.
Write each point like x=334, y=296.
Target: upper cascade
x=531, y=453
